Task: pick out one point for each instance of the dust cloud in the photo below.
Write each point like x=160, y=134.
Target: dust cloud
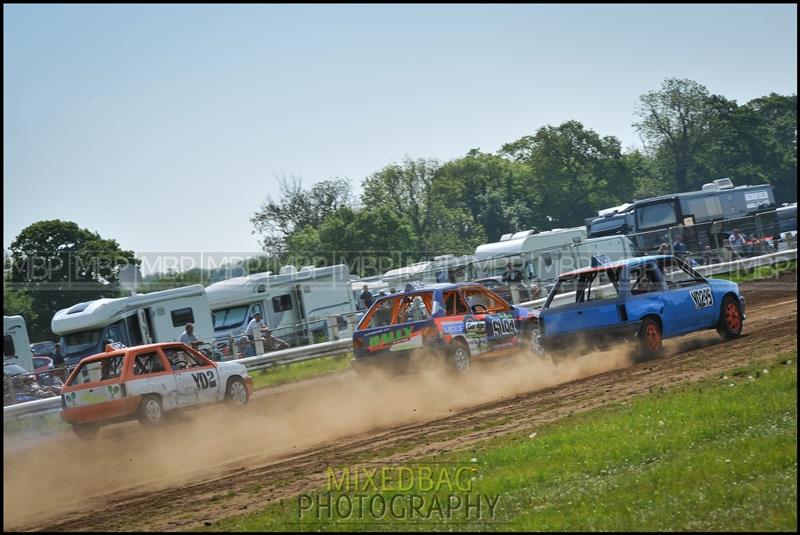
x=63, y=474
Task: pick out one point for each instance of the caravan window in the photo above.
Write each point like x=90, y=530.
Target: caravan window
x=181, y=317
x=281, y=303
x=8, y=346
x=656, y=215
x=703, y=208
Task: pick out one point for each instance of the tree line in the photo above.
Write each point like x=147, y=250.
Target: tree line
x=555, y=177
x=419, y=207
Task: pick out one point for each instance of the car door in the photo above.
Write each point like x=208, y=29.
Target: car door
x=490, y=321
x=689, y=299
x=151, y=374
x=196, y=378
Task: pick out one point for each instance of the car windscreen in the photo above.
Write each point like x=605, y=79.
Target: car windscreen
x=228, y=318
x=81, y=341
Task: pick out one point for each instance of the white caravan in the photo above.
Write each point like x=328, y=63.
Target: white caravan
x=294, y=304
x=444, y=268
x=16, y=344
x=542, y=265
x=139, y=319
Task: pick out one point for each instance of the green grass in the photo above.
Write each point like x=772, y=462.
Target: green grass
x=287, y=373
x=760, y=273
x=715, y=455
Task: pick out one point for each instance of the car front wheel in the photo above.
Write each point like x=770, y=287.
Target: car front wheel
x=730, y=320
x=236, y=394
x=650, y=339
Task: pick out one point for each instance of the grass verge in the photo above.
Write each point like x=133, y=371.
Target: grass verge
x=720, y=454
x=287, y=373
x=760, y=273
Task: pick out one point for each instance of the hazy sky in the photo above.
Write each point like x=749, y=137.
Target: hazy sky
x=165, y=127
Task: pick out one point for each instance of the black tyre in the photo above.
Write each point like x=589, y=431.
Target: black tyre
x=459, y=357
x=85, y=431
x=535, y=344
x=730, y=318
x=236, y=393
x=151, y=411
x=650, y=339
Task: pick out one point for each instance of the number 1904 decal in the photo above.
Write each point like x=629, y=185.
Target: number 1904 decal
x=703, y=298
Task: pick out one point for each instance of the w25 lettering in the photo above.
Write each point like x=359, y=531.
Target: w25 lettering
x=204, y=380
x=703, y=298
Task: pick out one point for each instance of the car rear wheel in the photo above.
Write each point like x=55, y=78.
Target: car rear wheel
x=236, y=394
x=650, y=339
x=85, y=431
x=150, y=411
x=459, y=357
x=730, y=319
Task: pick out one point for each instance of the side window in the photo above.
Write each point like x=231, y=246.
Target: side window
x=644, y=279
x=145, y=363
x=281, y=303
x=480, y=301
x=8, y=346
x=114, y=334
x=180, y=359
x=99, y=370
x=454, y=304
x=181, y=317
x=676, y=274
x=602, y=288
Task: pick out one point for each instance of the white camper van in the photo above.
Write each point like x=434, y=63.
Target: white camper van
x=139, y=319
x=541, y=261
x=16, y=344
x=294, y=303
x=444, y=268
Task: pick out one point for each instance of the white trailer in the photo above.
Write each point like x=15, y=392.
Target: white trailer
x=162, y=316
x=16, y=344
x=294, y=303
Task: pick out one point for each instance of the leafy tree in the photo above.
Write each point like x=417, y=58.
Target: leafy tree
x=57, y=264
x=297, y=208
x=674, y=123
x=575, y=172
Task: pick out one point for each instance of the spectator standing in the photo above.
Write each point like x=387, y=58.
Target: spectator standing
x=58, y=357
x=366, y=297
x=511, y=274
x=188, y=337
x=736, y=241
x=255, y=323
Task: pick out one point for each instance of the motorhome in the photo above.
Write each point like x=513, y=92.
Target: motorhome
x=16, y=344
x=85, y=328
x=295, y=304
x=541, y=266
x=698, y=218
x=443, y=268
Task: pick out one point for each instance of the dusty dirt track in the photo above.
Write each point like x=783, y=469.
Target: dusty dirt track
x=217, y=463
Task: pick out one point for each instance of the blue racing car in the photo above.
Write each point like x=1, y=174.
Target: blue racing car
x=646, y=299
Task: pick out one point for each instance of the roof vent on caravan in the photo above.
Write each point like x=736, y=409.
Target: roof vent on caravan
x=287, y=270
x=710, y=187
x=306, y=268
x=521, y=234
x=505, y=237
x=80, y=307
x=724, y=183
x=443, y=257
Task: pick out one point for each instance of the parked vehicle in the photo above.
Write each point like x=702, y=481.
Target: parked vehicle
x=16, y=344
x=86, y=328
x=707, y=216
x=646, y=299
x=449, y=323
x=44, y=349
x=146, y=382
x=295, y=304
